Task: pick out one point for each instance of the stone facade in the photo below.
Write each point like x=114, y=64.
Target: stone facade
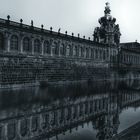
x=30, y=55
x=130, y=55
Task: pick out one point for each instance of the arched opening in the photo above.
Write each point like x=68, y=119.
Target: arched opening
x=47, y=47
x=37, y=46
x=26, y=45
x=87, y=53
x=82, y=52
x=14, y=43
x=62, y=49
x=75, y=51
x=23, y=127
x=92, y=53
x=56, y=48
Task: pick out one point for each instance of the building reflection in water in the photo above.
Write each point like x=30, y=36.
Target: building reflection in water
x=36, y=113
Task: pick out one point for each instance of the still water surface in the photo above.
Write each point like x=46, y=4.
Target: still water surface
x=95, y=111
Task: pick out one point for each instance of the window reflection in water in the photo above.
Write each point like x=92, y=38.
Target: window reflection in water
x=45, y=113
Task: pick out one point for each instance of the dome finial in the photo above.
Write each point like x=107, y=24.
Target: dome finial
x=107, y=8
x=107, y=3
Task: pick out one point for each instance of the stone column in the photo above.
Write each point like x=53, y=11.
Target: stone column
x=101, y=54
x=20, y=45
x=18, y=123
x=7, y=42
x=32, y=44
x=8, y=45
x=21, y=49
x=109, y=54
x=59, y=48
x=51, y=47
x=42, y=47
x=94, y=53
x=5, y=132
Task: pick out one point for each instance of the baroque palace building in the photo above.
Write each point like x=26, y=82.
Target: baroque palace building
x=17, y=38
x=31, y=55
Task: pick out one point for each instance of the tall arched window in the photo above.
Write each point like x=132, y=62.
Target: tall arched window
x=47, y=47
x=26, y=45
x=14, y=43
x=1, y=41
x=37, y=46
x=56, y=48
x=92, y=53
x=62, y=49
x=75, y=51
x=11, y=130
x=23, y=127
x=87, y=53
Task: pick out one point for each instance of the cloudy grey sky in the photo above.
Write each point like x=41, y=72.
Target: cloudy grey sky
x=78, y=16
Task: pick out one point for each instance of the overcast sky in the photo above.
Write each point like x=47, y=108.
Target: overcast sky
x=78, y=16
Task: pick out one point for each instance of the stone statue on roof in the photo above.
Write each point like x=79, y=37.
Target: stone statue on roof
x=107, y=9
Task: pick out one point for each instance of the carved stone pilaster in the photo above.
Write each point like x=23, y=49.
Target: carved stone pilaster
x=32, y=44
x=20, y=46
x=7, y=41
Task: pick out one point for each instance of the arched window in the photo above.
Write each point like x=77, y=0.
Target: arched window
x=14, y=43
x=96, y=54
x=62, y=49
x=26, y=45
x=11, y=130
x=56, y=48
x=47, y=47
x=37, y=46
x=87, y=53
x=75, y=51
x=1, y=41
x=34, y=124
x=100, y=54
x=23, y=127
x=92, y=53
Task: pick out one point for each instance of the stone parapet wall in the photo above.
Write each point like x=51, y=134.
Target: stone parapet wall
x=17, y=70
